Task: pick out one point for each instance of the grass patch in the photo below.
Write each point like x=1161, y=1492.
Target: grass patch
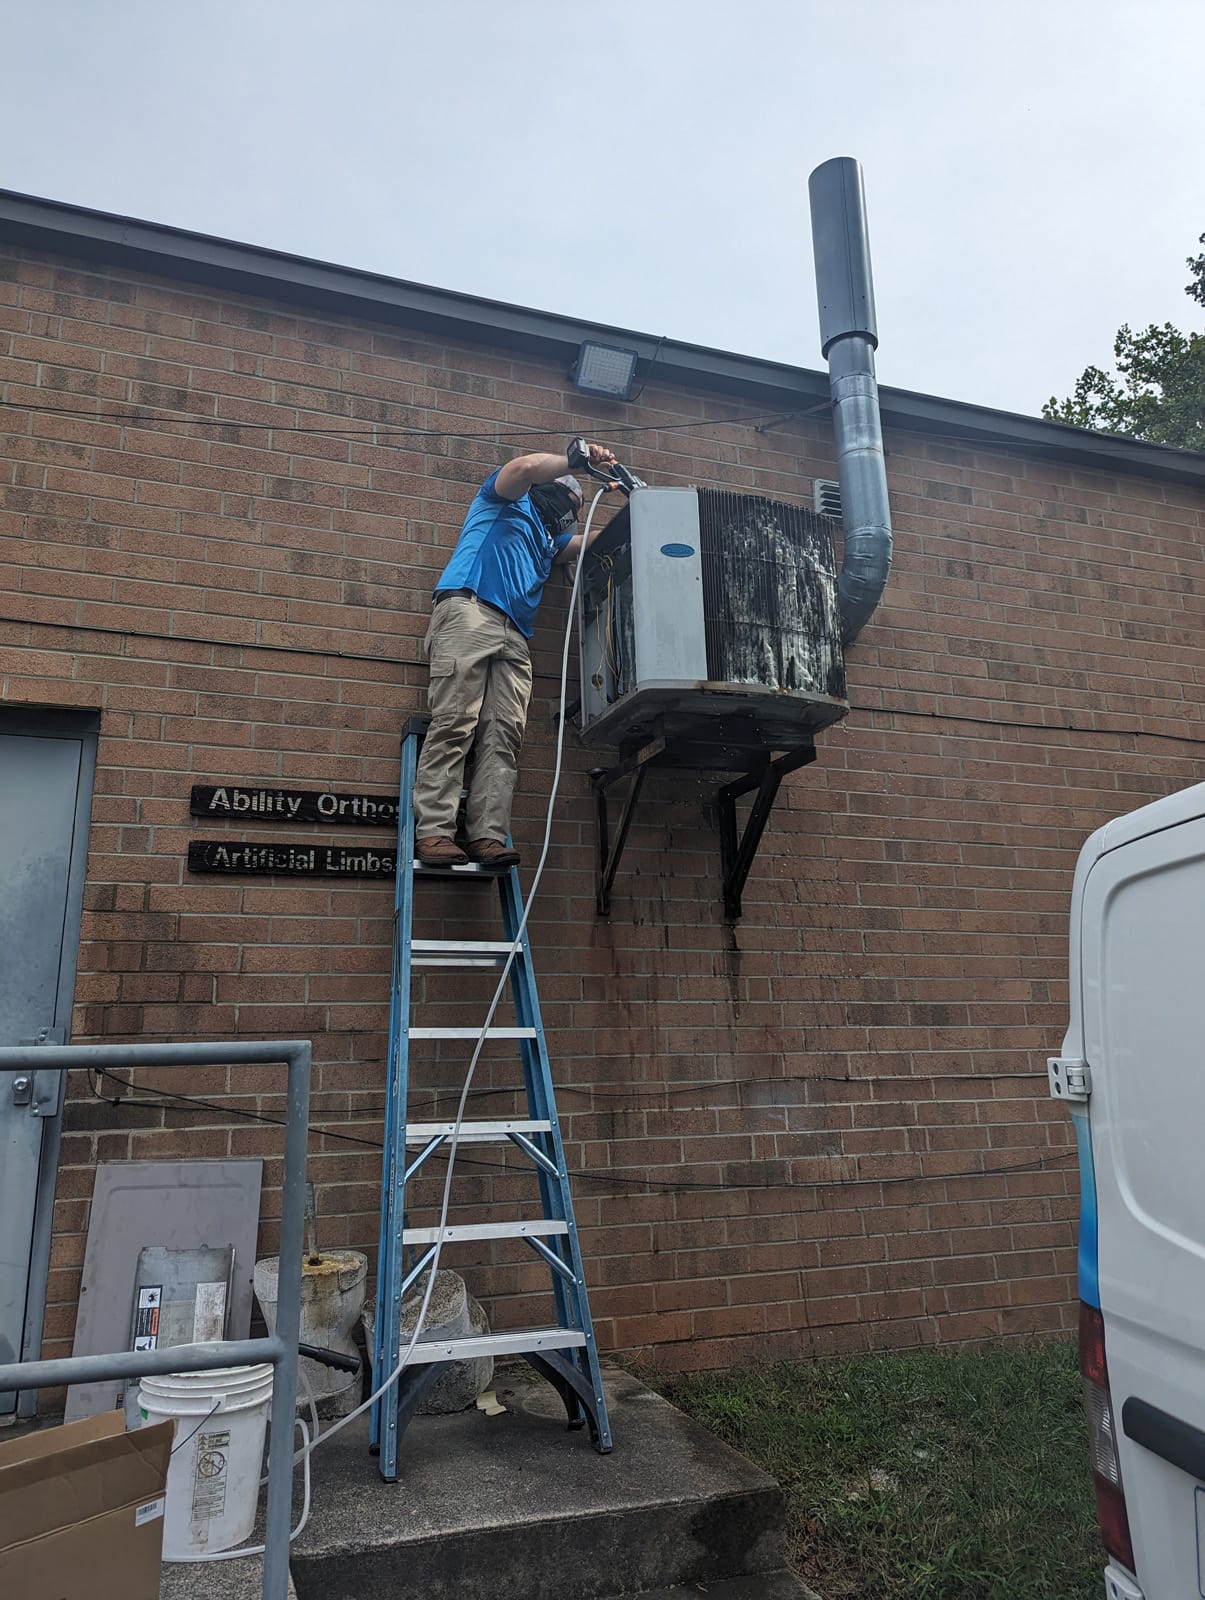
x=935, y=1475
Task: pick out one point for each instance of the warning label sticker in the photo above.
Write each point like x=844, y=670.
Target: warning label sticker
x=209, y=1475
x=146, y=1317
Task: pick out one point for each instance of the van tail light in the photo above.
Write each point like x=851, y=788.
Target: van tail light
x=1102, y=1437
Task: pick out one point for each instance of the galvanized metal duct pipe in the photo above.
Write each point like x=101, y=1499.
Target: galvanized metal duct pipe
x=848, y=337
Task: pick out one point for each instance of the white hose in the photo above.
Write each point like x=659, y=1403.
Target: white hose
x=481, y=1037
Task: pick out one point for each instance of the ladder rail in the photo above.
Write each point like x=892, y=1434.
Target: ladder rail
x=390, y=1260
x=555, y=1195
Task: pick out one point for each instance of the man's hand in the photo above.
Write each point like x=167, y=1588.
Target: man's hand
x=580, y=454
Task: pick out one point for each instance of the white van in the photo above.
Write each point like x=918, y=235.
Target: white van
x=1133, y=1073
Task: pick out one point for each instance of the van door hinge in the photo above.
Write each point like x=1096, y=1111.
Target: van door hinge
x=1069, y=1080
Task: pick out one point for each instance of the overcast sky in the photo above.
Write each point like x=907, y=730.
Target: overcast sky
x=1033, y=167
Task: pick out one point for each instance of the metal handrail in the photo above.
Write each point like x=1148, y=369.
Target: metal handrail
x=281, y=1350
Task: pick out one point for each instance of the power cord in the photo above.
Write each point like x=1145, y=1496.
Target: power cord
x=649, y=1185
x=376, y=430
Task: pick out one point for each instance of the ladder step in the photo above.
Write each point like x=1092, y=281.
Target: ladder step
x=459, y=952
x=467, y=869
x=472, y=1132
x=514, y=1342
x=458, y=1233
x=472, y=1033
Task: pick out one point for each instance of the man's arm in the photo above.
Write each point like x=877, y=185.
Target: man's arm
x=521, y=474
x=518, y=476
x=573, y=549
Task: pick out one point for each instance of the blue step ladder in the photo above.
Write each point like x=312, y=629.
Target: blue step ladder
x=564, y=1352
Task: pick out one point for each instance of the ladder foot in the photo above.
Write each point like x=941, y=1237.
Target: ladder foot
x=412, y=1389
x=577, y=1391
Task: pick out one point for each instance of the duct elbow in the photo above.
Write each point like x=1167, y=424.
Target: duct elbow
x=863, y=576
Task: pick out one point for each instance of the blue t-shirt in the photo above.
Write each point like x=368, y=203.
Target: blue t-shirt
x=504, y=554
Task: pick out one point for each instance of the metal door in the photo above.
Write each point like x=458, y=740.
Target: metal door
x=46, y=767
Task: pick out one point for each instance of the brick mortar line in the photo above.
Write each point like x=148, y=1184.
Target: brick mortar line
x=214, y=644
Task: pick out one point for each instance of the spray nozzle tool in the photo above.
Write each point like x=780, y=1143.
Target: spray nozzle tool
x=615, y=476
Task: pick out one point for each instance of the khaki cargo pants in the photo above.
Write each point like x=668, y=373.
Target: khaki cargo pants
x=478, y=696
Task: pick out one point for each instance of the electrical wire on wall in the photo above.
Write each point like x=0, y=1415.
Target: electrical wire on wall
x=380, y=432
x=632, y=1183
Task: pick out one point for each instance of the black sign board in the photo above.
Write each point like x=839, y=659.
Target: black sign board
x=301, y=859
x=293, y=805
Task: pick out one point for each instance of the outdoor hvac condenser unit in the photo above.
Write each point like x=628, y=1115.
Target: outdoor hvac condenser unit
x=710, y=615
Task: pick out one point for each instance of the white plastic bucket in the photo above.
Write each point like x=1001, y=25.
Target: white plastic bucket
x=221, y=1420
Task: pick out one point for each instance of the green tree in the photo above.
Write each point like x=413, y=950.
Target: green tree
x=1158, y=390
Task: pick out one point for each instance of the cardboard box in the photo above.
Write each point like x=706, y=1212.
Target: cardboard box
x=81, y=1511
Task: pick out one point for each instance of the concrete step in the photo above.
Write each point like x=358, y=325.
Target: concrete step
x=516, y=1505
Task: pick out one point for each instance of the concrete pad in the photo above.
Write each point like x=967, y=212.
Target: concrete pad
x=517, y=1505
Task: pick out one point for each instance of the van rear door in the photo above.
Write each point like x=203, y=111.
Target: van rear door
x=1142, y=969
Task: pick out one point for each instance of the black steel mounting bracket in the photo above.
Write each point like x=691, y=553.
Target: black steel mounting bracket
x=762, y=777
x=636, y=767
x=737, y=853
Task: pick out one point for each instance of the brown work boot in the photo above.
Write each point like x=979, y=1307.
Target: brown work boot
x=438, y=851
x=492, y=854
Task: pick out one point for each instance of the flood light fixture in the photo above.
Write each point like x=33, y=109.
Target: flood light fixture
x=605, y=369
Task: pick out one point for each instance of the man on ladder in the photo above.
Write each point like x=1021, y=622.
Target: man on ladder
x=519, y=526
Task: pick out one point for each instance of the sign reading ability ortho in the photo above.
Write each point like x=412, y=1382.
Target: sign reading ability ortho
x=293, y=805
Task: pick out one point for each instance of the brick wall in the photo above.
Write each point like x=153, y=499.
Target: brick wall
x=823, y=1129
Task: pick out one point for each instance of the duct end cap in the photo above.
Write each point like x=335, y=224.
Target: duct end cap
x=841, y=246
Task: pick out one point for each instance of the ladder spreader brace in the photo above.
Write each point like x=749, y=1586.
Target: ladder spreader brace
x=762, y=772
